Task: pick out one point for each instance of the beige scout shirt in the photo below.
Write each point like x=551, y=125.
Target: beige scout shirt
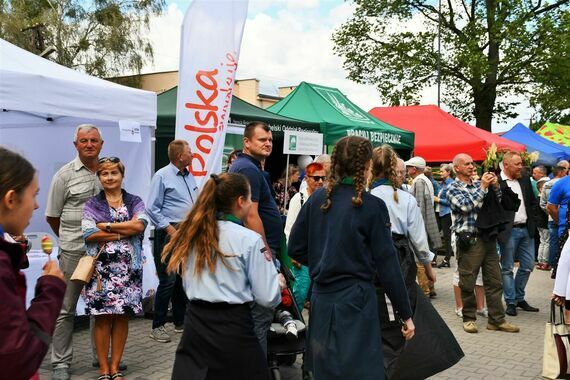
x=70, y=188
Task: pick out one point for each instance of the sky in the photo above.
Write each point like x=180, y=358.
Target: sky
x=286, y=42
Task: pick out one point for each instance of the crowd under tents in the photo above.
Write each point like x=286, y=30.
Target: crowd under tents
x=339, y=117
x=550, y=152
x=558, y=133
x=439, y=135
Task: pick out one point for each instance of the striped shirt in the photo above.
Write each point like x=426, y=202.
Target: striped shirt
x=465, y=201
x=70, y=188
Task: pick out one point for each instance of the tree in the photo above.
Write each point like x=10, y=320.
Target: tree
x=100, y=37
x=491, y=50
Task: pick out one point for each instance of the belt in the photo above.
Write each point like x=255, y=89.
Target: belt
x=520, y=225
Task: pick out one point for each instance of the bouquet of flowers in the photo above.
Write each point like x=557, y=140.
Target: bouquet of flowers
x=494, y=156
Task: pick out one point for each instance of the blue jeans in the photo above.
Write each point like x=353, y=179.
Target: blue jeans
x=521, y=247
x=553, y=247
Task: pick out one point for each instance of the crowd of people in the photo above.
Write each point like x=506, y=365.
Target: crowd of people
x=360, y=228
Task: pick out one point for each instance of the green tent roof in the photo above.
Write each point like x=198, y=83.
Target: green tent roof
x=241, y=113
x=558, y=133
x=339, y=117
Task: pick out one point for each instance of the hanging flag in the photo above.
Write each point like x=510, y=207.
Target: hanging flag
x=209, y=53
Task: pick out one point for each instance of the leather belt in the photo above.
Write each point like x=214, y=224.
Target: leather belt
x=520, y=225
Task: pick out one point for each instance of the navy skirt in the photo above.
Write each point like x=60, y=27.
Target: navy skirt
x=218, y=343
x=344, y=340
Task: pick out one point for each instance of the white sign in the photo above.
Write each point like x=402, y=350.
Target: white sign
x=130, y=131
x=296, y=142
x=209, y=53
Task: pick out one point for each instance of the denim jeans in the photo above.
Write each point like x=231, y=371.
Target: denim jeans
x=521, y=247
x=169, y=288
x=553, y=244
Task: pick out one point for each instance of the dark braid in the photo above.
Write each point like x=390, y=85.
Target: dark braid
x=349, y=159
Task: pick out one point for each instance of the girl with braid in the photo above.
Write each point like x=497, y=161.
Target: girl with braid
x=343, y=235
x=225, y=268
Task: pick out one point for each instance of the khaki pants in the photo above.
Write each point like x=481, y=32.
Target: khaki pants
x=426, y=285
x=483, y=255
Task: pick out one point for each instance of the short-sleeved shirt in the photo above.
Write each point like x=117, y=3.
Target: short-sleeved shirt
x=560, y=196
x=70, y=188
x=261, y=194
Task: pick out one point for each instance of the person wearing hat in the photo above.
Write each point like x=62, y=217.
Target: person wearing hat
x=422, y=189
x=543, y=231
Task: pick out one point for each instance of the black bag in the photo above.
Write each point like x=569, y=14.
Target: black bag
x=466, y=240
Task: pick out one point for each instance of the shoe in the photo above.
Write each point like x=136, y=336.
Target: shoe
x=503, y=326
x=178, y=329
x=470, y=327
x=117, y=375
x=459, y=313
x=122, y=365
x=160, y=335
x=526, y=307
x=511, y=310
x=432, y=293
x=483, y=313
x=444, y=264
x=104, y=376
x=291, y=333
x=60, y=374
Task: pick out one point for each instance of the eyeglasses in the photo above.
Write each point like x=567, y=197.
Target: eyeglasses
x=114, y=160
x=318, y=178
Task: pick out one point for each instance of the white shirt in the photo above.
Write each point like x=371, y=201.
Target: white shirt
x=520, y=215
x=253, y=276
x=406, y=219
x=294, y=208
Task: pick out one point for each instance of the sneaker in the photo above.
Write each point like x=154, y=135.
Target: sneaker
x=470, y=327
x=503, y=326
x=179, y=328
x=160, y=335
x=459, y=312
x=483, y=313
x=60, y=374
x=291, y=333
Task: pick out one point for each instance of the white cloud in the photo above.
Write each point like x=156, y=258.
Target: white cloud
x=290, y=44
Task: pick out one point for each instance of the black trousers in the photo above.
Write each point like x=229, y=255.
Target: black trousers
x=446, y=228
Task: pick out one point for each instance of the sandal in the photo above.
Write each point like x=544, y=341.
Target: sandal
x=117, y=375
x=105, y=376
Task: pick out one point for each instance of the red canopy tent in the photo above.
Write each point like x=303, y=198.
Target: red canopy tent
x=439, y=135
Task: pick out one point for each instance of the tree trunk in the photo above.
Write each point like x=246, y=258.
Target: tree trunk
x=484, y=106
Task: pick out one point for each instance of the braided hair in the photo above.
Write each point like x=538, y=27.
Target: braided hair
x=349, y=159
x=384, y=162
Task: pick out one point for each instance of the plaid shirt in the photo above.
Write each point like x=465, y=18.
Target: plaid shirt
x=465, y=201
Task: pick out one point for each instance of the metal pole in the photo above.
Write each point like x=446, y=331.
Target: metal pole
x=439, y=56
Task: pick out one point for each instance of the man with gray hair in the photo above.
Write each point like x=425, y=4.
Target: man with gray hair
x=70, y=188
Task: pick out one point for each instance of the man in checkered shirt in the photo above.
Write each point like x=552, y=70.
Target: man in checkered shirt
x=466, y=198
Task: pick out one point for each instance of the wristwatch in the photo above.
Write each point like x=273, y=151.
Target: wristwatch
x=108, y=227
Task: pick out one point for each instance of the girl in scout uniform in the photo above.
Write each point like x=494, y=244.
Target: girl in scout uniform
x=224, y=267
x=343, y=235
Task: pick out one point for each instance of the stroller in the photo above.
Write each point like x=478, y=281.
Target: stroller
x=281, y=350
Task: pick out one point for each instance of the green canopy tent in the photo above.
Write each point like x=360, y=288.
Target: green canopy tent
x=339, y=117
x=241, y=113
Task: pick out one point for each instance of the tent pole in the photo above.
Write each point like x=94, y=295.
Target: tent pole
x=286, y=192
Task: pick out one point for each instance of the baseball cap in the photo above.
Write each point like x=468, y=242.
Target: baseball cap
x=417, y=162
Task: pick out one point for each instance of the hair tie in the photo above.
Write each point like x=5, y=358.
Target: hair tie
x=215, y=178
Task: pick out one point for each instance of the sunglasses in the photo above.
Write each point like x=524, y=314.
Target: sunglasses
x=114, y=160
x=318, y=178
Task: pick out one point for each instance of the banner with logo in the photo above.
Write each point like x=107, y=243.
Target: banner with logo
x=209, y=53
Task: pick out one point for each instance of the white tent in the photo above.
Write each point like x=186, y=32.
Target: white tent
x=42, y=103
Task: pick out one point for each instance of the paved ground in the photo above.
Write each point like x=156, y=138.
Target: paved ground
x=488, y=354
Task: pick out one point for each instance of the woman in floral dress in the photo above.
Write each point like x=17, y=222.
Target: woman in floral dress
x=113, y=223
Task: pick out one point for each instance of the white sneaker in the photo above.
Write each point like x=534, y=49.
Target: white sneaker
x=160, y=335
x=459, y=312
x=291, y=333
x=483, y=313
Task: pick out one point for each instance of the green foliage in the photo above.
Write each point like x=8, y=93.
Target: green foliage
x=490, y=50
x=101, y=37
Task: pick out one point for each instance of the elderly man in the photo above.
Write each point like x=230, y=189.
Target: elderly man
x=559, y=171
x=70, y=188
x=538, y=172
x=466, y=198
x=517, y=239
x=172, y=193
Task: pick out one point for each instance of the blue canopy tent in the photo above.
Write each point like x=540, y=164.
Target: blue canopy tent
x=550, y=152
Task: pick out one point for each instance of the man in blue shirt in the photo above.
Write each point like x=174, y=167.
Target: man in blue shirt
x=264, y=217
x=173, y=191
x=558, y=205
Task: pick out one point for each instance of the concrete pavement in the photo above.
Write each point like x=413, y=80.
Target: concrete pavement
x=488, y=354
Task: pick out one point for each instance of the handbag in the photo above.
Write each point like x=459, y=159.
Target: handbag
x=555, y=358
x=85, y=268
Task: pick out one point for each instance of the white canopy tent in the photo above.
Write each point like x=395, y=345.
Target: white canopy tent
x=42, y=103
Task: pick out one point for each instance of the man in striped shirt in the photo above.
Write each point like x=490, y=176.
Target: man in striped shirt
x=466, y=198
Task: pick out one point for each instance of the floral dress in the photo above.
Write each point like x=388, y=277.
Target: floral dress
x=115, y=288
